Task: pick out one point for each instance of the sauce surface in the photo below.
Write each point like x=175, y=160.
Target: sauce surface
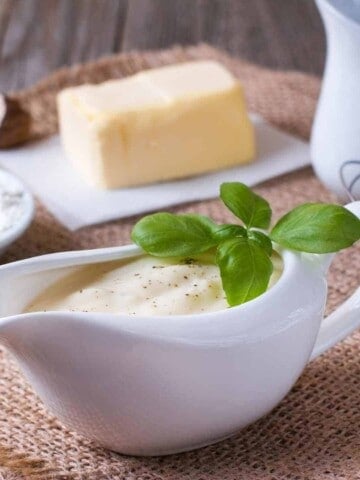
x=141, y=286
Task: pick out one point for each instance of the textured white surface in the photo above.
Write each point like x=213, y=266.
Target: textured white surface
x=12, y=202
x=48, y=173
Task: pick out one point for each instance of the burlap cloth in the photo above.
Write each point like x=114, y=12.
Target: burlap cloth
x=313, y=434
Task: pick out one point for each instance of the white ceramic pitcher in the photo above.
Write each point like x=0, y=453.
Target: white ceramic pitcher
x=336, y=130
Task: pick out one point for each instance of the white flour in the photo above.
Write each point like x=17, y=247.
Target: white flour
x=11, y=203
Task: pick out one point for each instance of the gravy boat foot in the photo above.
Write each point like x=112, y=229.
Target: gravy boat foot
x=166, y=384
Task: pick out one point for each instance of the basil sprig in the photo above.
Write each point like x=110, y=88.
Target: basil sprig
x=243, y=252
x=317, y=228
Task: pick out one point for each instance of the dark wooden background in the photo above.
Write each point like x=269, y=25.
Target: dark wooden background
x=37, y=36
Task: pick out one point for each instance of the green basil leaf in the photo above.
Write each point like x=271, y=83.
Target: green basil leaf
x=317, y=228
x=252, y=209
x=262, y=240
x=245, y=269
x=227, y=231
x=169, y=235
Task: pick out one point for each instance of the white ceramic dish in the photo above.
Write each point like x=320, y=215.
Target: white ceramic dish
x=159, y=385
x=282, y=151
x=8, y=236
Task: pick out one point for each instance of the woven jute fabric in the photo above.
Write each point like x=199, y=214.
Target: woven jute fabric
x=313, y=434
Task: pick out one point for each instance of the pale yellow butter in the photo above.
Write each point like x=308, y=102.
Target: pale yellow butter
x=160, y=124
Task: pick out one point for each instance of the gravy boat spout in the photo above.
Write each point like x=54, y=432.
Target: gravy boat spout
x=164, y=384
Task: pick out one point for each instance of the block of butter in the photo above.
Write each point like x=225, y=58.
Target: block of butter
x=157, y=125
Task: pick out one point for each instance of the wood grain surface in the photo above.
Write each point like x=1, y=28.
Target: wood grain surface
x=37, y=36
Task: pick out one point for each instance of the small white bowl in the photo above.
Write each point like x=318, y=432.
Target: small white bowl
x=8, y=236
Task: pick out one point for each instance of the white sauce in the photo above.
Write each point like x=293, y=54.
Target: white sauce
x=141, y=286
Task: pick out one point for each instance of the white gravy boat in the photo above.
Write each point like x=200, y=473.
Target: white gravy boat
x=160, y=385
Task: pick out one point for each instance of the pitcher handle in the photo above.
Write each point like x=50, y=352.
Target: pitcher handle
x=346, y=319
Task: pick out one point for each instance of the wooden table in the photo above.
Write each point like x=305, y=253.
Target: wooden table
x=37, y=36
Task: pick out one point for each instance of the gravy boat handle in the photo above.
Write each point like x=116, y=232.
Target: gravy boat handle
x=346, y=318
